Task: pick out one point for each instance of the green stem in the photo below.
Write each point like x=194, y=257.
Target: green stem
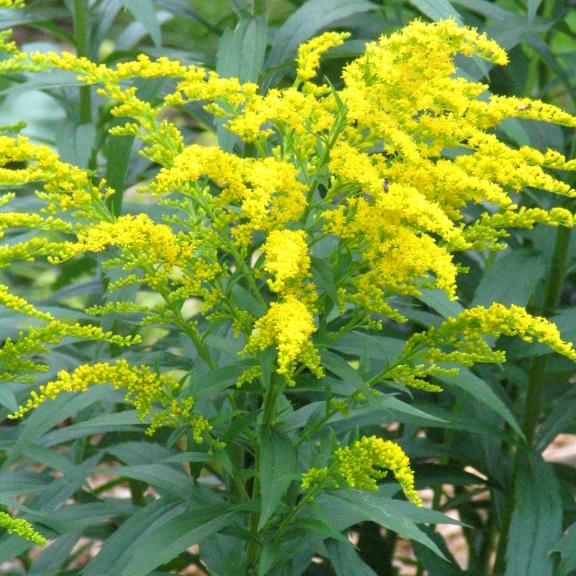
x=269, y=408
x=306, y=499
x=82, y=41
x=269, y=413
x=545, y=72
x=313, y=429
x=549, y=306
x=537, y=377
x=260, y=7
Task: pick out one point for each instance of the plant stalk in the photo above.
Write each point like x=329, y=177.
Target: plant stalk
x=82, y=41
x=537, y=377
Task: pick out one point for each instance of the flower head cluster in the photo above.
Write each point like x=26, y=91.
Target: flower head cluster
x=310, y=53
x=365, y=462
x=64, y=186
x=385, y=179
x=287, y=259
x=11, y=3
x=143, y=388
x=288, y=325
x=13, y=302
x=462, y=340
x=16, y=355
x=22, y=528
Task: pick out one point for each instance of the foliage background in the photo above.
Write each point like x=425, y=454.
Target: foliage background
x=466, y=463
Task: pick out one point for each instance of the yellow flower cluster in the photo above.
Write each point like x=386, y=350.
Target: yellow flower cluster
x=266, y=191
x=400, y=200
x=489, y=229
x=289, y=111
x=34, y=221
x=310, y=53
x=11, y=3
x=363, y=167
x=13, y=302
x=143, y=388
x=362, y=464
x=403, y=202
x=144, y=239
x=467, y=329
x=15, y=363
x=369, y=459
x=65, y=187
x=21, y=528
x=287, y=259
x=288, y=325
x=462, y=340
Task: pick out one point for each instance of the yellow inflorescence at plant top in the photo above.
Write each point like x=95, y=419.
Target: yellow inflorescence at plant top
x=363, y=165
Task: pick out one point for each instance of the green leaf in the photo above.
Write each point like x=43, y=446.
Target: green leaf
x=77, y=517
x=126, y=421
x=537, y=519
x=561, y=419
x=377, y=347
x=483, y=393
x=307, y=21
x=551, y=60
x=117, y=151
x=347, y=507
x=49, y=413
x=75, y=143
x=7, y=398
x=439, y=301
x=241, y=51
x=54, y=556
x=144, y=12
x=126, y=541
x=346, y=561
x=566, y=546
x=9, y=18
x=278, y=464
x=214, y=382
x=17, y=483
x=485, y=8
x=343, y=370
x=533, y=6
x=159, y=475
x=434, y=565
x=512, y=279
x=437, y=9
x=137, y=453
x=175, y=536
x=324, y=278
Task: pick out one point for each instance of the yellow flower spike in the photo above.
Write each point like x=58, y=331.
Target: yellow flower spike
x=13, y=353
x=350, y=164
x=489, y=229
x=287, y=259
x=11, y=3
x=289, y=326
x=313, y=477
x=143, y=388
x=65, y=187
x=147, y=241
x=18, y=304
x=310, y=53
x=22, y=528
x=368, y=460
x=461, y=340
x=497, y=320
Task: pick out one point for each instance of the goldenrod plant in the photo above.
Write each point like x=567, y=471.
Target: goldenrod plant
x=244, y=344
